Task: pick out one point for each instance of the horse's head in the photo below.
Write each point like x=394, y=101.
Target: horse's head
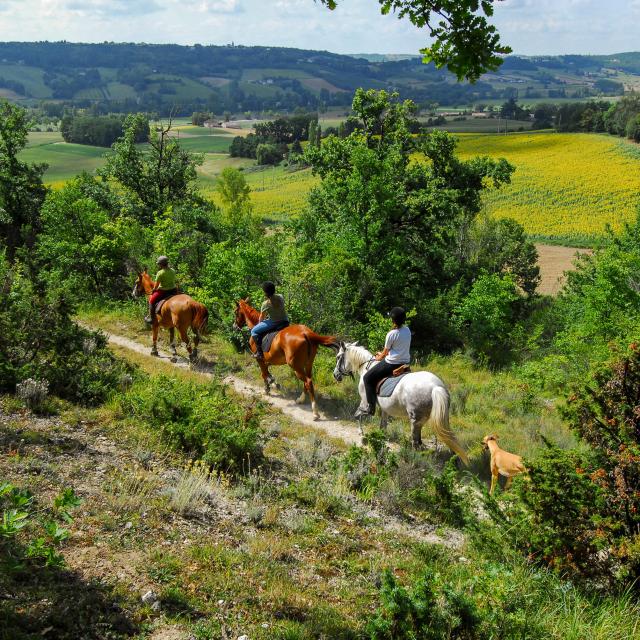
x=343, y=362
x=142, y=284
x=239, y=314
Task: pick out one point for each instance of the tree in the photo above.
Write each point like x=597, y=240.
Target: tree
x=464, y=41
x=269, y=154
x=21, y=188
x=162, y=175
x=235, y=195
x=84, y=242
x=381, y=225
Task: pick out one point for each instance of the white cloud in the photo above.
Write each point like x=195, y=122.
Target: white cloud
x=529, y=26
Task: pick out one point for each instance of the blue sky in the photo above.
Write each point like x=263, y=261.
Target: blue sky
x=529, y=26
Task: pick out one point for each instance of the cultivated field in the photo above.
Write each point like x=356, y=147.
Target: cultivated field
x=566, y=188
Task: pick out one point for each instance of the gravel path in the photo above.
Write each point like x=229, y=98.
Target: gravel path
x=334, y=428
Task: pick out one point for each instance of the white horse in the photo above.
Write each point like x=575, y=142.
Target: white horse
x=419, y=396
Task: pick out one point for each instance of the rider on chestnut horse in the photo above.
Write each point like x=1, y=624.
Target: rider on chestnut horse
x=273, y=317
x=165, y=286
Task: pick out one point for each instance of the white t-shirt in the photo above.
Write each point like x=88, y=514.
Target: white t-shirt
x=398, y=342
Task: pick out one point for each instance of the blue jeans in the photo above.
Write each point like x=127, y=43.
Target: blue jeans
x=261, y=329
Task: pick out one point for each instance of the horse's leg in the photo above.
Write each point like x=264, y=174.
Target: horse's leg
x=172, y=341
x=360, y=429
x=416, y=430
x=384, y=419
x=154, y=336
x=308, y=385
x=184, y=336
x=267, y=378
x=196, y=341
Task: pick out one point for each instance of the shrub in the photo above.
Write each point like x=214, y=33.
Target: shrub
x=32, y=535
x=427, y=612
x=39, y=340
x=32, y=392
x=202, y=421
x=487, y=316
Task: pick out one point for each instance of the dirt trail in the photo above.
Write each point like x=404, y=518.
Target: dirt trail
x=334, y=428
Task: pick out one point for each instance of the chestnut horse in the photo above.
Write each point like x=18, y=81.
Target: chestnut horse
x=178, y=312
x=296, y=345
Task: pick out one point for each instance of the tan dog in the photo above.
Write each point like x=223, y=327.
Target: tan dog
x=502, y=462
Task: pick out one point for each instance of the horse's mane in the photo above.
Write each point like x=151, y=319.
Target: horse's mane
x=358, y=355
x=250, y=312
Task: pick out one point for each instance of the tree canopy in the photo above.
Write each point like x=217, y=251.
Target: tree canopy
x=464, y=41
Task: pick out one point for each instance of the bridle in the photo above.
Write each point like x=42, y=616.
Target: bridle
x=340, y=367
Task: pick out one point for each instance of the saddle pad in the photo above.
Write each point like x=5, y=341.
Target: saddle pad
x=268, y=339
x=388, y=385
x=160, y=304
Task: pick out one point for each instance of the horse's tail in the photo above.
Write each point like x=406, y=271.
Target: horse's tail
x=200, y=318
x=440, y=422
x=325, y=341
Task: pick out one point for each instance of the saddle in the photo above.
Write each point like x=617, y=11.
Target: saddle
x=386, y=386
x=267, y=339
x=160, y=303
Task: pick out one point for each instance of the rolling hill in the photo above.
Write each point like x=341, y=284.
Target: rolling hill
x=133, y=77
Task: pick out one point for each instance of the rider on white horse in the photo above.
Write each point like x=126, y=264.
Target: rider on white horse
x=397, y=345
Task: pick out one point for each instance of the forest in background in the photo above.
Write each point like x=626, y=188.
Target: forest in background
x=159, y=78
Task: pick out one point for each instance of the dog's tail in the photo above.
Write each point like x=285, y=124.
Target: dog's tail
x=440, y=422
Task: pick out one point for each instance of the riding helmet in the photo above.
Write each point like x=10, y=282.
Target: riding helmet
x=398, y=315
x=162, y=261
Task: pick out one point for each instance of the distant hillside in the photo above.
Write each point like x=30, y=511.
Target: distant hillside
x=128, y=77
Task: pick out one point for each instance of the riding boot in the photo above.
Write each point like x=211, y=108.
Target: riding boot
x=149, y=317
x=369, y=410
x=258, y=355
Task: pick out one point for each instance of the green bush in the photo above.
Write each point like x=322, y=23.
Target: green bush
x=487, y=317
x=201, y=421
x=31, y=534
x=428, y=612
x=39, y=340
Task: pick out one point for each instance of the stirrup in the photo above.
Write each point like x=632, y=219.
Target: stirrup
x=365, y=412
x=148, y=320
x=258, y=355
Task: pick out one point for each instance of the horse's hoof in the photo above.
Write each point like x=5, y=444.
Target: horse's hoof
x=154, y=352
x=173, y=359
x=316, y=417
x=418, y=446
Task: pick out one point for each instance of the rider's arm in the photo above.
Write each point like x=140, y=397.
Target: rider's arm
x=381, y=355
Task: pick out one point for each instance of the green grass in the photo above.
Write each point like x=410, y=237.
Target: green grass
x=251, y=75
x=31, y=77
x=65, y=160
x=206, y=143
x=483, y=125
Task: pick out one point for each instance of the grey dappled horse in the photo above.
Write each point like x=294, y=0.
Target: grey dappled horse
x=419, y=396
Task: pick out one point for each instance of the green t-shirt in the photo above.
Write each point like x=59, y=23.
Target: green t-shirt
x=166, y=278
x=273, y=308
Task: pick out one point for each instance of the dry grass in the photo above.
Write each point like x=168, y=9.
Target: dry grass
x=554, y=261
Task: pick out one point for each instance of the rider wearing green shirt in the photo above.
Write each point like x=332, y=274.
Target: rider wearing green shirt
x=165, y=285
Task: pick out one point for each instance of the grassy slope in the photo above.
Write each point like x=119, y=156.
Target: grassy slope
x=286, y=552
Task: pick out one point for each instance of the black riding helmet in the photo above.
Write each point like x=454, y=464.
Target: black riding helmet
x=269, y=288
x=398, y=315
